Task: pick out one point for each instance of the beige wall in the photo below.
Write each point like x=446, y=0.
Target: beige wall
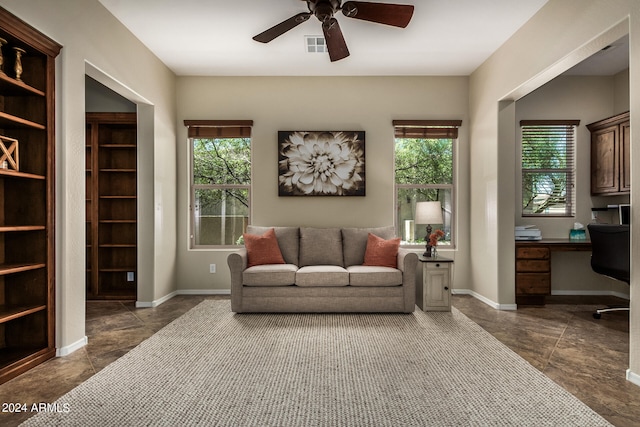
x=561, y=34
x=95, y=43
x=317, y=103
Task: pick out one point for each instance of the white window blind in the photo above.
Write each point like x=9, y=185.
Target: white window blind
x=548, y=169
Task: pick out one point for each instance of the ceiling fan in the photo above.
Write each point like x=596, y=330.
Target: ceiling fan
x=397, y=15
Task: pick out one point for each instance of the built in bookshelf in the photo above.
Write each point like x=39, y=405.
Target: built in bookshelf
x=27, y=189
x=111, y=212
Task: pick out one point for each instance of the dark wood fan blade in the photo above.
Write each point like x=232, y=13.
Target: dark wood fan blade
x=397, y=15
x=336, y=45
x=281, y=28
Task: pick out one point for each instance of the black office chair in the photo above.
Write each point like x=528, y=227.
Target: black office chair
x=610, y=255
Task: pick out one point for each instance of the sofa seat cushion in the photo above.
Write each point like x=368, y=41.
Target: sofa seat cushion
x=364, y=275
x=270, y=275
x=322, y=275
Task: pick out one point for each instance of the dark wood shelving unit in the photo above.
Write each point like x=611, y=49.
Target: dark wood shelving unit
x=112, y=248
x=27, y=185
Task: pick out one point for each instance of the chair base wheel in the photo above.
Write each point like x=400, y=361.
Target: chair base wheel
x=597, y=315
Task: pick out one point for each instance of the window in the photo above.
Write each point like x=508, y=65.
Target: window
x=425, y=171
x=548, y=172
x=220, y=181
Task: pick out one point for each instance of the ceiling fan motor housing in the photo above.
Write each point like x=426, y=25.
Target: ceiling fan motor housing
x=323, y=9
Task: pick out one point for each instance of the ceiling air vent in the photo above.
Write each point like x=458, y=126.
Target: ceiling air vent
x=315, y=44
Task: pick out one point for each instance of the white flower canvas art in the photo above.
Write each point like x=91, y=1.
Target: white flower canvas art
x=321, y=163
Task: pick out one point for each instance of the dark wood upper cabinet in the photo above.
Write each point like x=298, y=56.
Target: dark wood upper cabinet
x=610, y=156
x=27, y=189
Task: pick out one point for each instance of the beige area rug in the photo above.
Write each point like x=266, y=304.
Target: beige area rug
x=212, y=367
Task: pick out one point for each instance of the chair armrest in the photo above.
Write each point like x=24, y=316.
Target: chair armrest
x=408, y=263
x=237, y=262
x=402, y=259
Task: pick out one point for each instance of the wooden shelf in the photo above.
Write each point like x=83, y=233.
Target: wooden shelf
x=18, y=268
x=8, y=228
x=129, y=146
x=16, y=174
x=11, y=86
x=11, y=313
x=9, y=121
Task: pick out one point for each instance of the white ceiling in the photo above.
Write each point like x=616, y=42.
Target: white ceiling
x=214, y=37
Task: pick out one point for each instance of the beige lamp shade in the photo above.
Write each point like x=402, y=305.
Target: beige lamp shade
x=428, y=213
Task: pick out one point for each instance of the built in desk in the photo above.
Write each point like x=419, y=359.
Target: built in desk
x=533, y=266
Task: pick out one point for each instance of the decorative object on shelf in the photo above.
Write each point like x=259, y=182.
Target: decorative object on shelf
x=433, y=240
x=18, y=65
x=2, y=43
x=428, y=213
x=325, y=163
x=9, y=153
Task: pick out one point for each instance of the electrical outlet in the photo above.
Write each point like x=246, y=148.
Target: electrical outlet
x=130, y=276
x=212, y=268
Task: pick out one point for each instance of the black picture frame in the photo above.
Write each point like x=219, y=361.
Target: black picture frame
x=321, y=163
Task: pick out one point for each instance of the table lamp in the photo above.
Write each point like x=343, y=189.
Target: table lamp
x=428, y=213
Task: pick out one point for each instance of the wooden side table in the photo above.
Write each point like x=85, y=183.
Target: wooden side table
x=435, y=292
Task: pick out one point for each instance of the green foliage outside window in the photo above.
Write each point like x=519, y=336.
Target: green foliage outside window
x=221, y=181
x=424, y=161
x=547, y=170
x=424, y=172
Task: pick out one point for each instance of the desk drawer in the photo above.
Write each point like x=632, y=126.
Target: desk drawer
x=533, y=284
x=533, y=253
x=532, y=265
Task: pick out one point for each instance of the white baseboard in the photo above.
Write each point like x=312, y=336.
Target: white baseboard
x=633, y=377
x=204, y=292
x=68, y=349
x=155, y=303
x=484, y=299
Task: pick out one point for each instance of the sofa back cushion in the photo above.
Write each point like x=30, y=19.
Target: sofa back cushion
x=354, y=242
x=287, y=240
x=381, y=252
x=263, y=249
x=320, y=246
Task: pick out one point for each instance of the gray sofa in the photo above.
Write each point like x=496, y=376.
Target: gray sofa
x=323, y=272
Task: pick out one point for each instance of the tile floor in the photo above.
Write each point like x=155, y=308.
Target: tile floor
x=587, y=357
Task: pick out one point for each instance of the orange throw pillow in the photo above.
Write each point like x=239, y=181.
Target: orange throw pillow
x=381, y=252
x=263, y=249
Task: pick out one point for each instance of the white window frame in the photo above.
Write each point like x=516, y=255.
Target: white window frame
x=433, y=126
x=214, y=129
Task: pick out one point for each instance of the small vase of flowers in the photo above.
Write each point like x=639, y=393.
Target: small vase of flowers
x=433, y=242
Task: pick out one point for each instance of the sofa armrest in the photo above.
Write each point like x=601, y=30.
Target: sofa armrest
x=237, y=262
x=407, y=263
